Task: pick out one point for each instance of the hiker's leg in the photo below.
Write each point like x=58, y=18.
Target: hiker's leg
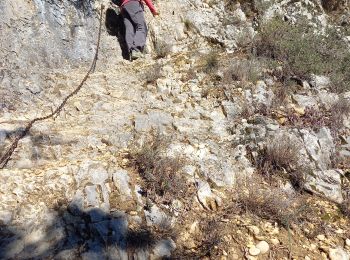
x=129, y=31
x=135, y=10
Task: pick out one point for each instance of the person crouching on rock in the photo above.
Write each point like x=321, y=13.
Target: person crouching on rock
x=135, y=25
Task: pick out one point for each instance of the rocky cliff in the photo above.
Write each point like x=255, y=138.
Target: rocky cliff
x=229, y=140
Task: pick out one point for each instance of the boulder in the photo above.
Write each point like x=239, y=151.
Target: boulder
x=326, y=183
x=338, y=254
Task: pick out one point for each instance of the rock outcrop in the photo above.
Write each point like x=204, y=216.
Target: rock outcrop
x=74, y=187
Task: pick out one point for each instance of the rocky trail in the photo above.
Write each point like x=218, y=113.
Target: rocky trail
x=194, y=152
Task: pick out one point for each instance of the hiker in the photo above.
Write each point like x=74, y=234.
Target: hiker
x=135, y=25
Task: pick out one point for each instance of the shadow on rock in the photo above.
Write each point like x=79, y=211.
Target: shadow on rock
x=73, y=233
x=115, y=27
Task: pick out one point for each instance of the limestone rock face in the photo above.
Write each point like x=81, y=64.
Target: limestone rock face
x=326, y=183
x=218, y=24
x=338, y=254
x=76, y=186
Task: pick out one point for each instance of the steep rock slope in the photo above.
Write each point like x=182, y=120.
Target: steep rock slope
x=77, y=186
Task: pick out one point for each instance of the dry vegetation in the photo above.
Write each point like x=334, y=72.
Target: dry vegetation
x=161, y=174
x=280, y=159
x=269, y=203
x=302, y=52
x=210, y=63
x=151, y=74
x=162, y=49
x=243, y=70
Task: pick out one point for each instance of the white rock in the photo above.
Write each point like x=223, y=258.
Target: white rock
x=321, y=237
x=275, y=241
x=338, y=254
x=189, y=170
x=155, y=216
x=164, y=248
x=240, y=15
x=121, y=181
x=91, y=196
x=263, y=246
x=5, y=217
x=320, y=82
x=254, y=229
x=98, y=175
x=326, y=183
x=347, y=242
x=305, y=101
x=254, y=251
x=205, y=195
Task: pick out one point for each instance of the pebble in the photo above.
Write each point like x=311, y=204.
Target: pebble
x=254, y=229
x=340, y=231
x=321, y=237
x=263, y=246
x=347, y=241
x=254, y=251
x=260, y=238
x=313, y=246
x=275, y=241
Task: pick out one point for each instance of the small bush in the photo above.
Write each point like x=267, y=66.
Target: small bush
x=211, y=63
x=245, y=70
x=189, y=25
x=141, y=238
x=303, y=52
x=334, y=5
x=312, y=118
x=269, y=203
x=345, y=208
x=340, y=109
x=161, y=174
x=280, y=96
x=152, y=74
x=281, y=158
x=189, y=75
x=162, y=49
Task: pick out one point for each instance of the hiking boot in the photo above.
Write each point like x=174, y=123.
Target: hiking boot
x=136, y=54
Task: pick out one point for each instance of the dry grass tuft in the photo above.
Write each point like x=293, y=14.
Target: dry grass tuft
x=245, y=70
x=162, y=49
x=338, y=111
x=211, y=63
x=161, y=174
x=152, y=74
x=345, y=208
x=269, y=203
x=281, y=158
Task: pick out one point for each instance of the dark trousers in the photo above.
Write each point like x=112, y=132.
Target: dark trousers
x=135, y=25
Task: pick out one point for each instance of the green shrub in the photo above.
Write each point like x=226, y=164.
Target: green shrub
x=302, y=52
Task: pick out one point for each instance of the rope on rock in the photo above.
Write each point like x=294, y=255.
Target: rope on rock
x=7, y=156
